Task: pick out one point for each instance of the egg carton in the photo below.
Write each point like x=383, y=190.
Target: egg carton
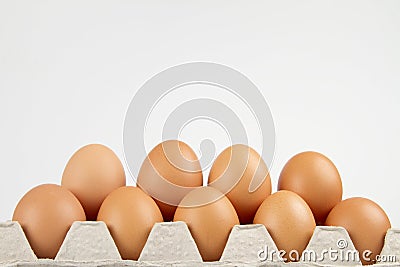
x=171, y=244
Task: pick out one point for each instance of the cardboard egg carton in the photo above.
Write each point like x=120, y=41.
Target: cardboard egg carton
x=171, y=244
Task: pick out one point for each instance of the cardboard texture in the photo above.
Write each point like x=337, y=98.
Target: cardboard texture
x=170, y=244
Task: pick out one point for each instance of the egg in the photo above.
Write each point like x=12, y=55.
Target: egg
x=91, y=174
x=288, y=220
x=210, y=217
x=243, y=176
x=46, y=213
x=365, y=221
x=129, y=214
x=168, y=173
x=315, y=178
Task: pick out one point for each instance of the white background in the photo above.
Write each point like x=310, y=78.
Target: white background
x=330, y=71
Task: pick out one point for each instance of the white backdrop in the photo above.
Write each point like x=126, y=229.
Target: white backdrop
x=330, y=71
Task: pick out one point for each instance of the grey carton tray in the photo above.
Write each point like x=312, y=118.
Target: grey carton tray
x=171, y=244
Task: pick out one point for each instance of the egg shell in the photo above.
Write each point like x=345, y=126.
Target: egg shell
x=129, y=214
x=46, y=213
x=243, y=176
x=210, y=217
x=168, y=173
x=365, y=221
x=315, y=178
x=91, y=174
x=288, y=220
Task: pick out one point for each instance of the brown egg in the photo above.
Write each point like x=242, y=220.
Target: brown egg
x=315, y=178
x=288, y=220
x=46, y=213
x=91, y=174
x=129, y=214
x=366, y=223
x=243, y=176
x=210, y=218
x=168, y=173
